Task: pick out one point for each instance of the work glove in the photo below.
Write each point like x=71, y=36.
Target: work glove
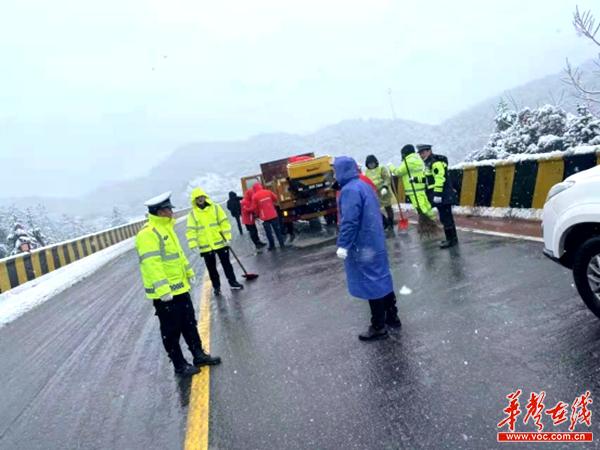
x=384, y=191
x=166, y=298
x=437, y=199
x=342, y=253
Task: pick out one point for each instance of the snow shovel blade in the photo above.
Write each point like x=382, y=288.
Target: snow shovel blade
x=403, y=224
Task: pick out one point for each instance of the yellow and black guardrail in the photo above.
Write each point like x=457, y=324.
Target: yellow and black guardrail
x=23, y=267
x=515, y=184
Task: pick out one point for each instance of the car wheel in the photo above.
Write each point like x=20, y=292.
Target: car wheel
x=586, y=273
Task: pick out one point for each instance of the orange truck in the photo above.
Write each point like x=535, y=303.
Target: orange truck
x=302, y=184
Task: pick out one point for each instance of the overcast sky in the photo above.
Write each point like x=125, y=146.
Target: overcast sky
x=94, y=91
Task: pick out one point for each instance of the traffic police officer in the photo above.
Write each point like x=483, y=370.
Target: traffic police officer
x=167, y=276
x=440, y=191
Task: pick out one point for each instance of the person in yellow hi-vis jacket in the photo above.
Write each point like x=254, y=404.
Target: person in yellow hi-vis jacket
x=440, y=191
x=412, y=172
x=382, y=179
x=209, y=231
x=167, y=277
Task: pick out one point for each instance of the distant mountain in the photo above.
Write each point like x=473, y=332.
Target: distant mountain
x=219, y=165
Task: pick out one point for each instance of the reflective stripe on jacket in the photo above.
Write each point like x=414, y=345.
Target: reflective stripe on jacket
x=416, y=190
x=163, y=264
x=207, y=228
x=438, y=181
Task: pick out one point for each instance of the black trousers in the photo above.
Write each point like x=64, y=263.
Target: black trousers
x=177, y=318
x=210, y=259
x=447, y=220
x=270, y=227
x=289, y=228
x=381, y=308
x=239, y=224
x=389, y=220
x=253, y=231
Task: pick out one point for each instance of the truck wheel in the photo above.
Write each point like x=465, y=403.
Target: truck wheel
x=586, y=273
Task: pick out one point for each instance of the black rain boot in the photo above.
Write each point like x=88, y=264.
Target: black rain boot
x=217, y=291
x=373, y=334
x=235, y=286
x=185, y=369
x=393, y=321
x=204, y=359
x=451, y=238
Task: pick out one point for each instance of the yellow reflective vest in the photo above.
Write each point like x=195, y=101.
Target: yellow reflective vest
x=380, y=176
x=415, y=184
x=207, y=228
x=163, y=264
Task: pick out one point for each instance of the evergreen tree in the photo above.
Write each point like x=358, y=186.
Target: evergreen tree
x=21, y=240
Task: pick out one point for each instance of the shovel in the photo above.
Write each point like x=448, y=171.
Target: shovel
x=247, y=275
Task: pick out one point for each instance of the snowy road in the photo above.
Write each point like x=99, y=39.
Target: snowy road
x=87, y=369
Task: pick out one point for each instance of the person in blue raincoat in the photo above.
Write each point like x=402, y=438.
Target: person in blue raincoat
x=361, y=244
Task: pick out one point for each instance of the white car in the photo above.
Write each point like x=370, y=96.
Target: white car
x=571, y=226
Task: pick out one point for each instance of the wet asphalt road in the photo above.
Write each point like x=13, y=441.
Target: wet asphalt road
x=87, y=368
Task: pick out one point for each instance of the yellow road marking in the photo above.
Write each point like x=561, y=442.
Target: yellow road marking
x=196, y=437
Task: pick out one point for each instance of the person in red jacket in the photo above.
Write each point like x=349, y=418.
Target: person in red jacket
x=263, y=204
x=248, y=219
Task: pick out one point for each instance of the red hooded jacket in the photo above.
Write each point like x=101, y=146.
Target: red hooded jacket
x=247, y=211
x=263, y=203
x=367, y=180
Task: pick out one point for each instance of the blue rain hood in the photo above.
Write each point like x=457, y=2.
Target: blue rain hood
x=345, y=168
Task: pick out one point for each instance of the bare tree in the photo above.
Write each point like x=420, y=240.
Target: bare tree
x=586, y=26
x=510, y=98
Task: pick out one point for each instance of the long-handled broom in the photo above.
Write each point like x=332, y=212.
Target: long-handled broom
x=247, y=275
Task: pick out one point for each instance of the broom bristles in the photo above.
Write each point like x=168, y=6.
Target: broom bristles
x=427, y=226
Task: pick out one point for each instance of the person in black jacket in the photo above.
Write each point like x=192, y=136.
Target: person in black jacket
x=234, y=207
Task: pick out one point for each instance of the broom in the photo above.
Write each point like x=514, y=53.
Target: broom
x=247, y=275
x=426, y=225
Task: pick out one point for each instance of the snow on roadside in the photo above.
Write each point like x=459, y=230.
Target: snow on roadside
x=519, y=157
x=25, y=297
x=500, y=213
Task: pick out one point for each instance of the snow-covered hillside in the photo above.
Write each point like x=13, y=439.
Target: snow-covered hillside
x=219, y=165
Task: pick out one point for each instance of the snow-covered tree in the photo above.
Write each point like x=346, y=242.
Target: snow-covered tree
x=584, y=128
x=21, y=240
x=539, y=130
x=505, y=117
